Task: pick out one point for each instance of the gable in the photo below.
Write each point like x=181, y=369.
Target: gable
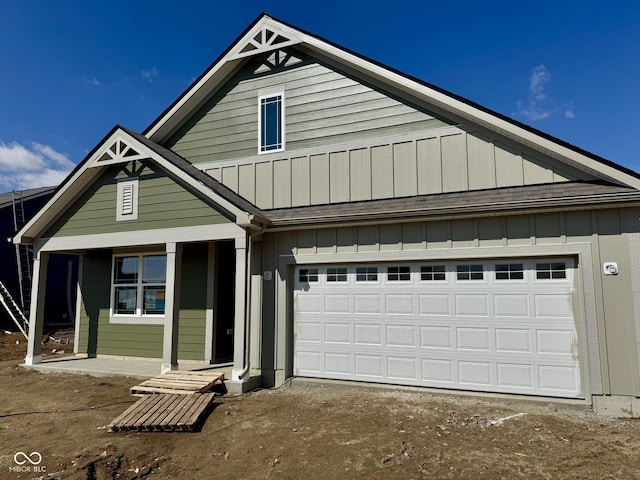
x=323, y=107
x=162, y=203
x=520, y=152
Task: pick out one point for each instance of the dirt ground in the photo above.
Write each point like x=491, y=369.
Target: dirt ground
x=310, y=431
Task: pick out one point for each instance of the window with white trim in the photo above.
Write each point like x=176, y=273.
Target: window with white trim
x=470, y=272
x=127, y=202
x=139, y=284
x=337, y=274
x=308, y=275
x=396, y=274
x=432, y=273
x=509, y=271
x=367, y=274
x=271, y=123
x=551, y=271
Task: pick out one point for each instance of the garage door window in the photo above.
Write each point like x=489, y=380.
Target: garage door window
x=432, y=273
x=509, y=271
x=395, y=274
x=549, y=271
x=336, y=274
x=470, y=272
x=367, y=274
x=308, y=275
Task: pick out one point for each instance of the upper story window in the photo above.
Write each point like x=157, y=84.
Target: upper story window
x=139, y=284
x=271, y=123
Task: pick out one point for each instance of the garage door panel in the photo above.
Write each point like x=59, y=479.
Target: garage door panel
x=564, y=379
x=436, y=337
x=402, y=368
x=511, y=305
x=553, y=305
x=556, y=341
x=513, y=375
x=337, y=304
x=473, y=339
x=437, y=371
x=338, y=363
x=399, y=304
x=337, y=333
x=401, y=336
x=490, y=335
x=471, y=305
x=368, y=365
x=475, y=373
x=366, y=304
x=513, y=340
x=368, y=334
x=309, y=332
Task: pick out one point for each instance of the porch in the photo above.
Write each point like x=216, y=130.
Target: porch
x=140, y=368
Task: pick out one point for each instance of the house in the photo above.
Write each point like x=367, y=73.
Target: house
x=304, y=211
x=16, y=208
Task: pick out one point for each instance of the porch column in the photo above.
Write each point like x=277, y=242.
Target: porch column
x=239, y=320
x=36, y=313
x=209, y=350
x=171, y=308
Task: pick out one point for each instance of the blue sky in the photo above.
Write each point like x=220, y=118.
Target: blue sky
x=71, y=70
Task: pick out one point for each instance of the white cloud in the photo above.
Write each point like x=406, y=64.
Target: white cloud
x=93, y=81
x=149, y=74
x=539, y=105
x=38, y=166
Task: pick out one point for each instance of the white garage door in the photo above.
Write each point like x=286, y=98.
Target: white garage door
x=495, y=326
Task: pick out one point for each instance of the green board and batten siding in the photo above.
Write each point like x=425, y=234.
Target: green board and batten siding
x=98, y=336
x=162, y=203
x=322, y=107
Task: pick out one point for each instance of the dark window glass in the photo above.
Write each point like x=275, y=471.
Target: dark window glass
x=308, y=275
x=547, y=271
x=367, y=274
x=336, y=274
x=395, y=274
x=509, y=271
x=432, y=272
x=271, y=123
x=470, y=272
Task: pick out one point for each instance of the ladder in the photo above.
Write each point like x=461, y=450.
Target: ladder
x=13, y=310
x=24, y=254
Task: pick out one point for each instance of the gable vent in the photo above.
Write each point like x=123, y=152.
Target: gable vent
x=127, y=202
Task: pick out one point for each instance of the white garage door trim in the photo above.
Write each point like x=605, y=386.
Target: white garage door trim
x=496, y=326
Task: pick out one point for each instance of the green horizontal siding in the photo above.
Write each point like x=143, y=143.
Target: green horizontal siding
x=99, y=336
x=322, y=107
x=162, y=203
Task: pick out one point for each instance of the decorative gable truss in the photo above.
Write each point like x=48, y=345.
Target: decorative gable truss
x=265, y=39
x=118, y=152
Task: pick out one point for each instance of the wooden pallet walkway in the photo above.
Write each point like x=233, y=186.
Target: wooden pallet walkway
x=165, y=413
x=183, y=382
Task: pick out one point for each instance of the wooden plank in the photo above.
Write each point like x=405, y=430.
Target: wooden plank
x=201, y=403
x=164, y=412
x=179, y=382
x=152, y=412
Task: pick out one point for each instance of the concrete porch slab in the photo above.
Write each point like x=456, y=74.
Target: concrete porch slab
x=135, y=367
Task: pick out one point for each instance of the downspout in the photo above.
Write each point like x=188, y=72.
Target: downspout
x=247, y=300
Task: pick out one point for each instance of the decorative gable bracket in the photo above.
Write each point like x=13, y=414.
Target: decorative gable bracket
x=264, y=40
x=119, y=151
